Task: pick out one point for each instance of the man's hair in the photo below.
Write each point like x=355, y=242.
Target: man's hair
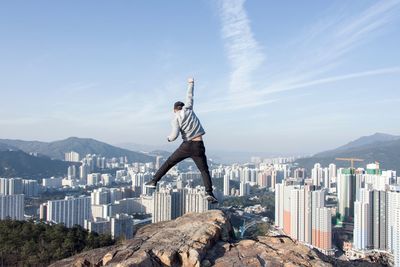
x=178, y=105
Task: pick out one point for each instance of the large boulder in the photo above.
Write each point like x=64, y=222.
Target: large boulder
x=181, y=242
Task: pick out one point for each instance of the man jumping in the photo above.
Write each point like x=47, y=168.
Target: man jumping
x=186, y=122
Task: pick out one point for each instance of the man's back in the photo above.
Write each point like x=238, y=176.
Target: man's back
x=190, y=126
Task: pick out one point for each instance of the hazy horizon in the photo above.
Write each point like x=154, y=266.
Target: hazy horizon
x=288, y=77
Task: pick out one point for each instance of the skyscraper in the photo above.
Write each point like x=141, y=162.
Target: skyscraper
x=244, y=189
x=301, y=213
x=69, y=211
x=159, y=161
x=322, y=229
x=93, y=179
x=195, y=200
x=226, y=185
x=11, y=186
x=31, y=188
x=393, y=202
x=317, y=175
x=346, y=190
x=12, y=206
x=379, y=219
x=122, y=225
x=162, y=210
x=83, y=172
x=396, y=236
x=332, y=172
x=72, y=156
x=100, y=196
x=374, y=220
x=279, y=199
x=363, y=229
x=71, y=172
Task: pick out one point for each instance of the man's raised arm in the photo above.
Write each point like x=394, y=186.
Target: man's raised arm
x=189, y=96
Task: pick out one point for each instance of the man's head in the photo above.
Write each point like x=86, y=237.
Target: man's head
x=178, y=106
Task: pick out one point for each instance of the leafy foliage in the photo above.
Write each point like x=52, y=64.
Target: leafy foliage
x=26, y=243
x=259, y=196
x=258, y=229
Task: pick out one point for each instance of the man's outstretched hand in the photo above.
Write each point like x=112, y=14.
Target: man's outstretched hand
x=191, y=80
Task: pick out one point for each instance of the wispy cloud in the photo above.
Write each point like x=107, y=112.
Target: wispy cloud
x=244, y=53
x=316, y=53
x=324, y=48
x=332, y=79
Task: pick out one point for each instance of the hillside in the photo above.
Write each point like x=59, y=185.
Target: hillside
x=83, y=146
x=368, y=140
x=203, y=239
x=28, y=243
x=378, y=147
x=5, y=147
x=21, y=164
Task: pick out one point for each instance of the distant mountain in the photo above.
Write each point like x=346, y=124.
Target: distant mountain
x=20, y=164
x=379, y=147
x=5, y=147
x=367, y=140
x=83, y=146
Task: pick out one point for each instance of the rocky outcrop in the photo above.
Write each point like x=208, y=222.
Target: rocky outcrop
x=266, y=251
x=200, y=239
x=273, y=251
x=182, y=242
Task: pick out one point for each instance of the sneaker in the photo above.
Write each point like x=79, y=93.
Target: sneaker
x=211, y=198
x=151, y=184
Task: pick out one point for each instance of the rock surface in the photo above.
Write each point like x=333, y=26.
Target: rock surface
x=182, y=242
x=201, y=239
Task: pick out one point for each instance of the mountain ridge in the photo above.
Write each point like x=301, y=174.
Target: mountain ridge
x=17, y=163
x=83, y=146
x=379, y=147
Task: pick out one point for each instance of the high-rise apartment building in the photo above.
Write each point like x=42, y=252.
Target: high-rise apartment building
x=12, y=206
x=346, y=191
x=226, y=185
x=301, y=213
x=72, y=156
x=69, y=211
x=30, y=188
x=11, y=186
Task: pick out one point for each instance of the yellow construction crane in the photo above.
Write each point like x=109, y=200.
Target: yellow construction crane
x=352, y=160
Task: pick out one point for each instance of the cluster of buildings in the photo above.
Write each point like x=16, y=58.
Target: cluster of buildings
x=362, y=204
x=301, y=212
x=265, y=174
x=109, y=211
x=374, y=212
x=12, y=196
x=112, y=210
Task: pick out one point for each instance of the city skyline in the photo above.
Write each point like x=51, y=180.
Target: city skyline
x=344, y=213
x=274, y=78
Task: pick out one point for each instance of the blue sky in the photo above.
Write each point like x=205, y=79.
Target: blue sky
x=278, y=77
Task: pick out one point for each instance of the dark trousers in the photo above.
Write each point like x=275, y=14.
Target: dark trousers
x=188, y=149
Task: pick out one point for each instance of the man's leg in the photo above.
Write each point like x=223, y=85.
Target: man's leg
x=199, y=157
x=181, y=153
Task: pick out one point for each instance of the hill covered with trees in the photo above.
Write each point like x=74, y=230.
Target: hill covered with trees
x=25, y=243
